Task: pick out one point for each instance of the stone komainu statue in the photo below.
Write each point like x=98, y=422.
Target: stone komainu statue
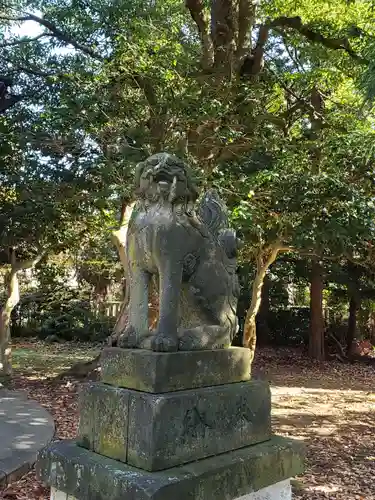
x=192, y=251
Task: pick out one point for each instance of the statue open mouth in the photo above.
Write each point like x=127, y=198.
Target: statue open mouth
x=160, y=175
x=162, y=179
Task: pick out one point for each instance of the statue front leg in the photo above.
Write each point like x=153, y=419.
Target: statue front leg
x=137, y=328
x=170, y=277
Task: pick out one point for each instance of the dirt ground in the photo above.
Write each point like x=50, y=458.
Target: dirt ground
x=330, y=406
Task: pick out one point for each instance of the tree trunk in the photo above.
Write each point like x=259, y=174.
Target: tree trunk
x=371, y=326
x=264, y=261
x=316, y=342
x=12, y=300
x=119, y=239
x=13, y=297
x=263, y=314
x=352, y=322
x=100, y=296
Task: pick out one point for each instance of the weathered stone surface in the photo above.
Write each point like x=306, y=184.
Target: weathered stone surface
x=157, y=431
x=88, y=476
x=176, y=428
x=103, y=422
x=155, y=372
x=278, y=491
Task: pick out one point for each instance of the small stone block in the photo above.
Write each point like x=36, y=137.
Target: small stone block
x=103, y=422
x=279, y=491
x=159, y=372
x=88, y=476
x=58, y=495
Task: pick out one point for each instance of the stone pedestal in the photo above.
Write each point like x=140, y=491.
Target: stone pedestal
x=174, y=425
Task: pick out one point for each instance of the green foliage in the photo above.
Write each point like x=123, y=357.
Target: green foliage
x=288, y=327
x=110, y=82
x=63, y=313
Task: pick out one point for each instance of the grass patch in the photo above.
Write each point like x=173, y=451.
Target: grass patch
x=41, y=360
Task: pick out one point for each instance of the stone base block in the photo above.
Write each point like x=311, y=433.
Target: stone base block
x=158, y=431
x=88, y=476
x=279, y=491
x=158, y=372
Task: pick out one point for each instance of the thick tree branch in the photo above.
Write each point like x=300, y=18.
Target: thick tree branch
x=223, y=31
x=246, y=19
x=30, y=70
x=314, y=37
x=253, y=64
x=30, y=263
x=197, y=12
x=56, y=32
x=148, y=89
x=157, y=120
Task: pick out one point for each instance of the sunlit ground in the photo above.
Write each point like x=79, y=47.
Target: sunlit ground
x=40, y=360
x=331, y=407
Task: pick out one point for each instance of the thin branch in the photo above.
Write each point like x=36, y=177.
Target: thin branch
x=293, y=57
x=56, y=32
x=299, y=99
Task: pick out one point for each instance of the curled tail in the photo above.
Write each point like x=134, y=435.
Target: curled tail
x=213, y=212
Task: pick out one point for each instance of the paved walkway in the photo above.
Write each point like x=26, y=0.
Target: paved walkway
x=25, y=428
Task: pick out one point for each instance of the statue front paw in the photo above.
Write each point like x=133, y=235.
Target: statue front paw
x=164, y=343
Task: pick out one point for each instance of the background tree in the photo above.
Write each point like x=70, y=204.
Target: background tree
x=45, y=207
x=264, y=100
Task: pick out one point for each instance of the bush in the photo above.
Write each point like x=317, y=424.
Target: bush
x=77, y=324
x=287, y=327
x=67, y=315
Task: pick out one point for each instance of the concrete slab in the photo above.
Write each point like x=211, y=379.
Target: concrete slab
x=25, y=428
